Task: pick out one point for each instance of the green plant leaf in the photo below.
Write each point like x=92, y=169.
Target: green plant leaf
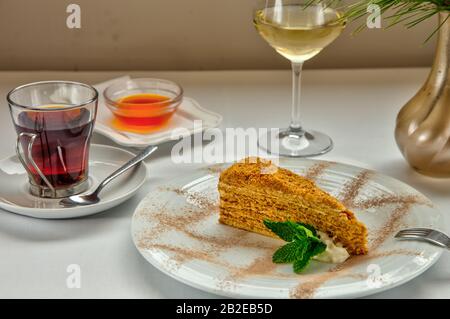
x=289, y=230
x=301, y=231
x=301, y=263
x=290, y=252
x=303, y=243
x=317, y=248
x=284, y=230
x=311, y=228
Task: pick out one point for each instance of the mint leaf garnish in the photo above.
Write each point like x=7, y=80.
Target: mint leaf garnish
x=303, y=243
x=283, y=230
x=311, y=228
x=318, y=248
x=289, y=252
x=301, y=264
x=302, y=231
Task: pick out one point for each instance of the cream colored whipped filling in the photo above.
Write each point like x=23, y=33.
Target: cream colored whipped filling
x=334, y=253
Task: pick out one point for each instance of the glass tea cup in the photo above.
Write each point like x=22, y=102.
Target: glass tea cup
x=54, y=121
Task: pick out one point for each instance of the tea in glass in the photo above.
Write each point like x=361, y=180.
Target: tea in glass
x=54, y=123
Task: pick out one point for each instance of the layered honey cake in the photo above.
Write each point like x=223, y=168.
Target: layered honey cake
x=254, y=190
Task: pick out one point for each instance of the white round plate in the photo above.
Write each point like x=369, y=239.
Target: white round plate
x=103, y=160
x=176, y=229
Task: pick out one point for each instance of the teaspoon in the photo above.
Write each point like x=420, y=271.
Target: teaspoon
x=92, y=198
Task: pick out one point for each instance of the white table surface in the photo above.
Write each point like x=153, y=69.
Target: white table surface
x=356, y=107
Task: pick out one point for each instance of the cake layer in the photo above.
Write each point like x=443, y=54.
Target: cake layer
x=243, y=224
x=352, y=238
x=248, y=197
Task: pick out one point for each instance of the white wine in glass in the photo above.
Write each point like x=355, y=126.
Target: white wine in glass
x=298, y=30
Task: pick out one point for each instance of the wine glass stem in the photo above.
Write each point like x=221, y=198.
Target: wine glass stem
x=296, y=94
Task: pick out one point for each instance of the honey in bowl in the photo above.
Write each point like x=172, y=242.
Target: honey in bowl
x=142, y=113
x=142, y=105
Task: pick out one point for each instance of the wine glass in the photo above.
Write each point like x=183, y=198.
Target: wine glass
x=298, y=30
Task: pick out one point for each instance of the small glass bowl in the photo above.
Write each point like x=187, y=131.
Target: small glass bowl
x=142, y=117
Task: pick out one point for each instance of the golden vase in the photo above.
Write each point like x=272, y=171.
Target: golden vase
x=423, y=124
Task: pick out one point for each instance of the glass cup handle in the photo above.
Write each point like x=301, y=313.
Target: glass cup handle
x=30, y=158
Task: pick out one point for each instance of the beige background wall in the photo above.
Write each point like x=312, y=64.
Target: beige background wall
x=177, y=34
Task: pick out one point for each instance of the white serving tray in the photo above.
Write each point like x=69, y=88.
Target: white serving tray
x=183, y=123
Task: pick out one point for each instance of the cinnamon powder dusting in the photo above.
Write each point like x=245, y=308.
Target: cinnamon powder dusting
x=262, y=265
x=215, y=169
x=391, y=225
x=389, y=200
x=308, y=288
x=211, y=245
x=352, y=188
x=316, y=170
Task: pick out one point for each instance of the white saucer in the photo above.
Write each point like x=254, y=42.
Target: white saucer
x=15, y=196
x=182, y=124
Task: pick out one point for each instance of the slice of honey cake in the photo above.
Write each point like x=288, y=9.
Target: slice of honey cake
x=255, y=190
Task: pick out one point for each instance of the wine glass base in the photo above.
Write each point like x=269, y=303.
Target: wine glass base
x=290, y=143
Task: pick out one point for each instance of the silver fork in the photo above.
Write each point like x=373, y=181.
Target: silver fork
x=425, y=234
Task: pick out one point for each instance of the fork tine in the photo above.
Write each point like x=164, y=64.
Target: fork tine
x=412, y=234
x=409, y=232
x=418, y=238
x=398, y=235
x=417, y=231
